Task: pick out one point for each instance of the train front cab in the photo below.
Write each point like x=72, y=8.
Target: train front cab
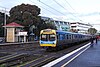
x=48, y=38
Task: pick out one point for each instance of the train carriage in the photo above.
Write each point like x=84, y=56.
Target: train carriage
x=57, y=39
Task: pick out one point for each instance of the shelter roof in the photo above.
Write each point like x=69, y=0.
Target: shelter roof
x=13, y=24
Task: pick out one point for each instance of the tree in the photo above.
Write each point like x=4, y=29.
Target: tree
x=25, y=14
x=92, y=31
x=2, y=23
x=51, y=25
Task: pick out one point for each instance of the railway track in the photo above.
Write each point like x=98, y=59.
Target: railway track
x=17, y=52
x=9, y=58
x=21, y=55
x=14, y=46
x=48, y=58
x=39, y=62
x=11, y=48
x=35, y=57
x=5, y=58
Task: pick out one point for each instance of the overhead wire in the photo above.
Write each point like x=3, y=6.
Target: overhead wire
x=65, y=9
x=51, y=7
x=44, y=8
x=3, y=7
x=71, y=7
x=4, y=10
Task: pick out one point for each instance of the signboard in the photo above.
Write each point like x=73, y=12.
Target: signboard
x=22, y=33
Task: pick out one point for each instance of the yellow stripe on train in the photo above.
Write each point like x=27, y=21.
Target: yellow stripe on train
x=46, y=45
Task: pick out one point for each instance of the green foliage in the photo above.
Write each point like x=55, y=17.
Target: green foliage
x=25, y=14
x=92, y=31
x=1, y=18
x=51, y=25
x=2, y=23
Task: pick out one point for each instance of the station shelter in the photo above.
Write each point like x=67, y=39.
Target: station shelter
x=12, y=32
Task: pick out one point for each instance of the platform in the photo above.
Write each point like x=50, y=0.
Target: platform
x=90, y=58
x=85, y=56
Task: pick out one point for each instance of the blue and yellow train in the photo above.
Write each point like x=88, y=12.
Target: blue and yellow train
x=56, y=39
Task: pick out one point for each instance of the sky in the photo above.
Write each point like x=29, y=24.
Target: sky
x=85, y=11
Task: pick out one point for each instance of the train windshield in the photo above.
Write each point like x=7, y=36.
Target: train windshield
x=52, y=37
x=44, y=37
x=48, y=37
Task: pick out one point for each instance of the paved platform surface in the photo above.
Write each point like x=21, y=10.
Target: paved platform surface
x=90, y=58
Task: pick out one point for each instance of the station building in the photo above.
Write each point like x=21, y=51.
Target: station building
x=77, y=27
x=15, y=33
x=61, y=25
x=80, y=27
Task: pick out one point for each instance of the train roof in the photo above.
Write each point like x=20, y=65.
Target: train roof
x=65, y=32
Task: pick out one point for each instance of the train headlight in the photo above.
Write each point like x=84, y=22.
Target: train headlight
x=54, y=42
x=41, y=42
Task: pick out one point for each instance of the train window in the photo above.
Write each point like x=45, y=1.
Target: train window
x=52, y=37
x=69, y=36
x=62, y=36
x=79, y=36
x=75, y=36
x=66, y=36
x=44, y=37
x=72, y=36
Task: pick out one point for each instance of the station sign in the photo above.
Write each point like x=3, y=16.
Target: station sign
x=22, y=33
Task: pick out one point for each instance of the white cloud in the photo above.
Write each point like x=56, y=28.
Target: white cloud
x=85, y=10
